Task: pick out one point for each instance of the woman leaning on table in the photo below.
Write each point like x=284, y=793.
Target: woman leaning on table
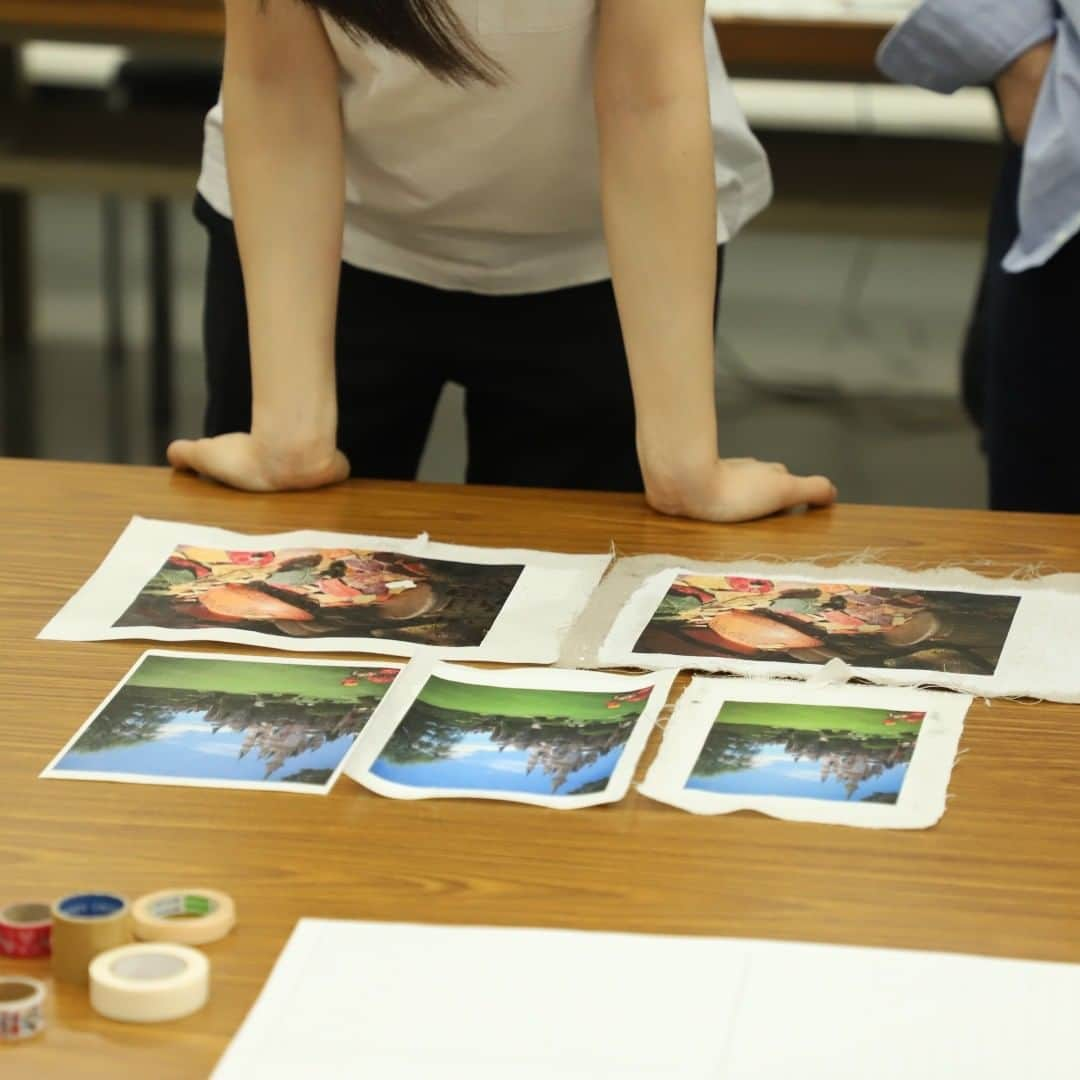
x=419, y=191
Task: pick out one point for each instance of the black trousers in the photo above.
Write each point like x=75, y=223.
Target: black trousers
x=548, y=393
x=1022, y=367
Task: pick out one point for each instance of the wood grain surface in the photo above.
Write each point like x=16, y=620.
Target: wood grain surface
x=121, y=18
x=801, y=49
x=999, y=876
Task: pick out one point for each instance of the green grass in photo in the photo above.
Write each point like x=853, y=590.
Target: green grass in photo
x=581, y=707
x=242, y=677
x=814, y=718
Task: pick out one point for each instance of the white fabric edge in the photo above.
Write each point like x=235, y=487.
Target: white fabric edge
x=1031, y=665
x=921, y=804
x=541, y=608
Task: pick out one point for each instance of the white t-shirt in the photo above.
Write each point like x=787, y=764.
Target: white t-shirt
x=494, y=190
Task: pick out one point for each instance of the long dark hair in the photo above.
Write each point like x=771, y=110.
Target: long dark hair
x=427, y=31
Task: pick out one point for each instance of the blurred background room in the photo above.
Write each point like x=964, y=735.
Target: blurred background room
x=845, y=309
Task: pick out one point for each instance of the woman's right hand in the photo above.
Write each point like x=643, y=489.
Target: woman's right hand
x=244, y=462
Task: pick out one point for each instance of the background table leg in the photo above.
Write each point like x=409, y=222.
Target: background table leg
x=16, y=317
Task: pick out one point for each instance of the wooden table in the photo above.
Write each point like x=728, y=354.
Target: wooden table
x=110, y=20
x=829, y=50
x=1000, y=875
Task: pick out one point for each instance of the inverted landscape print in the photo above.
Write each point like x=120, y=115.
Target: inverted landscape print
x=807, y=751
x=218, y=721
x=469, y=738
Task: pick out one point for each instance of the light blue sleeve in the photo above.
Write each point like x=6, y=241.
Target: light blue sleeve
x=947, y=44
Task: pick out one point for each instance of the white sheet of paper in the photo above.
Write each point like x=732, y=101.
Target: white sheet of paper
x=820, y=773
x=186, y=749
x=1040, y=657
x=474, y=766
x=401, y=1002
x=549, y=594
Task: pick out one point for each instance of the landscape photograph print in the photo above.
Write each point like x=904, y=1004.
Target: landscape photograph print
x=474, y=738
x=834, y=753
x=325, y=593
x=229, y=722
x=745, y=618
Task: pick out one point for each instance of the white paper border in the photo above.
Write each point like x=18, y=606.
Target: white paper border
x=550, y=594
x=1041, y=655
x=53, y=772
x=922, y=798
x=407, y=687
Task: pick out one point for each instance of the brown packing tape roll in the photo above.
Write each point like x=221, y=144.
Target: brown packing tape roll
x=85, y=925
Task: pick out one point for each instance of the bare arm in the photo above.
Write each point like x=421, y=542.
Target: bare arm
x=284, y=147
x=659, y=189
x=1019, y=86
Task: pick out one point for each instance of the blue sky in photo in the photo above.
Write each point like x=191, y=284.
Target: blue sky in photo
x=187, y=748
x=478, y=765
x=776, y=773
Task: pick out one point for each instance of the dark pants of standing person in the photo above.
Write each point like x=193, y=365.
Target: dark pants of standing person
x=1022, y=367
x=548, y=395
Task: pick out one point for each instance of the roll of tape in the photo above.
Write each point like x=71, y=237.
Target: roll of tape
x=22, y=1008
x=85, y=925
x=26, y=930
x=149, y=984
x=184, y=916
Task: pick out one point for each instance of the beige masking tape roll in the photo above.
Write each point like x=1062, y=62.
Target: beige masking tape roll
x=22, y=1008
x=83, y=926
x=184, y=916
x=150, y=983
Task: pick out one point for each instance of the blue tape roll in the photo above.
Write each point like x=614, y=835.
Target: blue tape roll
x=90, y=906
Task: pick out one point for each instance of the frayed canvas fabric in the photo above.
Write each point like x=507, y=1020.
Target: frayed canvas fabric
x=947, y=628
x=865, y=756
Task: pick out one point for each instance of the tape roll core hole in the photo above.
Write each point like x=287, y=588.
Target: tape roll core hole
x=11, y=992
x=183, y=906
x=27, y=914
x=91, y=906
x=150, y=968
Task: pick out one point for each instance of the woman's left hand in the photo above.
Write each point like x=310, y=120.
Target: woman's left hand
x=737, y=489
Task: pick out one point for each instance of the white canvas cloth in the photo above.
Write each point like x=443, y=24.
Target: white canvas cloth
x=1040, y=659
x=921, y=801
x=549, y=594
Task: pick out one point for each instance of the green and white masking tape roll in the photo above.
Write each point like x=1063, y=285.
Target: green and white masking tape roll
x=184, y=916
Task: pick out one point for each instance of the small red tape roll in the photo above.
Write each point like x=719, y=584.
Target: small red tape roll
x=26, y=931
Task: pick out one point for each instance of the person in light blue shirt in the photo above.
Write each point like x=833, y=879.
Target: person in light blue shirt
x=1023, y=359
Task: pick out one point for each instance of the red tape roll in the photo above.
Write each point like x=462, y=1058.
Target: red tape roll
x=26, y=931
